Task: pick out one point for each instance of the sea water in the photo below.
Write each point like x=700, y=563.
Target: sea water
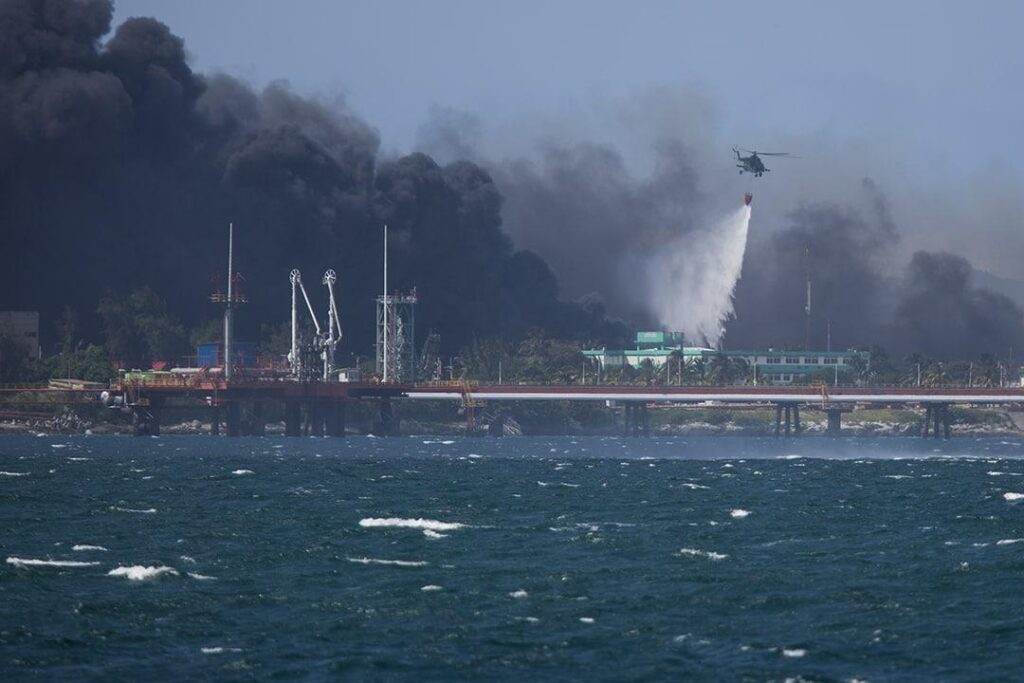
x=563, y=558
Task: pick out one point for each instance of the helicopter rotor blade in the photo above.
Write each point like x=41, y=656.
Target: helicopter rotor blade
x=776, y=154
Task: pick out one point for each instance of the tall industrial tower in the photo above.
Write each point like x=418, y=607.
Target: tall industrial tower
x=233, y=297
x=396, y=339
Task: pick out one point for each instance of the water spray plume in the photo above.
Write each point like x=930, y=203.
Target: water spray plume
x=694, y=278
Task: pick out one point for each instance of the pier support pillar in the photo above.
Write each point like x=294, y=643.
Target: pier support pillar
x=234, y=419
x=386, y=424
x=259, y=425
x=796, y=420
x=627, y=413
x=789, y=417
x=292, y=418
x=335, y=417
x=645, y=420
x=778, y=418
x=947, y=419
x=215, y=422
x=834, y=421
x=927, y=420
x=316, y=417
x=496, y=427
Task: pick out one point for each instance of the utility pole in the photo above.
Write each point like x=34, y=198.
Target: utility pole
x=229, y=314
x=385, y=350
x=807, y=304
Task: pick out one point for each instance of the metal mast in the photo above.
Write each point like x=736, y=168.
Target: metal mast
x=386, y=354
x=228, y=312
x=293, y=357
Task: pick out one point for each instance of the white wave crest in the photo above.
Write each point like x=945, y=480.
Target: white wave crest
x=138, y=572
x=85, y=548
x=1009, y=541
x=433, y=535
x=201, y=577
x=1010, y=496
x=417, y=523
x=794, y=652
x=241, y=472
x=14, y=474
x=431, y=587
x=519, y=594
x=708, y=554
x=739, y=514
x=586, y=620
x=394, y=563
x=138, y=511
x=218, y=650
x=30, y=562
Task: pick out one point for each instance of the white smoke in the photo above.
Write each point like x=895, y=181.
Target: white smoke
x=693, y=279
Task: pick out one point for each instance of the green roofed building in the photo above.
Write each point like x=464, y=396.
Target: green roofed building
x=770, y=367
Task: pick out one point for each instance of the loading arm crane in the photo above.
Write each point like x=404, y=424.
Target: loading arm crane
x=333, y=326
x=295, y=357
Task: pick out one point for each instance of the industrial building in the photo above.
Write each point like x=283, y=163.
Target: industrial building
x=770, y=366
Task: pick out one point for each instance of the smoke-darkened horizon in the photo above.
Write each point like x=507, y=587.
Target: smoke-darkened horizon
x=122, y=167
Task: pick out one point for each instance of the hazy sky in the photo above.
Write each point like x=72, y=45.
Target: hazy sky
x=943, y=75
x=924, y=97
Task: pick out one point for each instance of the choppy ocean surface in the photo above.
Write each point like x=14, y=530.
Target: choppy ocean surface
x=530, y=558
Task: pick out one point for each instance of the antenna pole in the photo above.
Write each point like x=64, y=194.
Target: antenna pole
x=294, y=357
x=228, y=313
x=385, y=349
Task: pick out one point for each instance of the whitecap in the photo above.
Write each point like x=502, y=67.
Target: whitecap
x=586, y=620
x=739, y=513
x=201, y=577
x=30, y=562
x=693, y=552
x=1013, y=496
x=794, y=652
x=690, y=485
x=14, y=474
x=241, y=472
x=430, y=587
x=519, y=594
x=396, y=563
x=218, y=650
x=431, y=534
x=147, y=511
x=138, y=572
x=84, y=548
x=1009, y=541
x=187, y=558
x=416, y=523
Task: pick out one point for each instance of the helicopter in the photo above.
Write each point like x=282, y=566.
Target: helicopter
x=753, y=163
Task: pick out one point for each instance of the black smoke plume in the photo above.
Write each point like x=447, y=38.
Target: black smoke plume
x=120, y=167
